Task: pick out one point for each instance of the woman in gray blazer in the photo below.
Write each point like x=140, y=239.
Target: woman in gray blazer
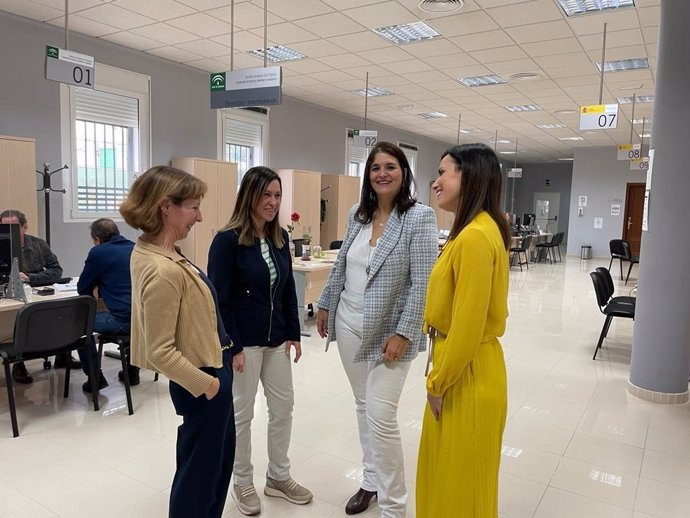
x=373, y=306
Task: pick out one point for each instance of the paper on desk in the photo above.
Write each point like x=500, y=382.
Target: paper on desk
x=72, y=286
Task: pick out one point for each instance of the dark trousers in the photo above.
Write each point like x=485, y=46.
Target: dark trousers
x=205, y=448
x=105, y=323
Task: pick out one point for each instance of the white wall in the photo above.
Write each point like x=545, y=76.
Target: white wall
x=603, y=179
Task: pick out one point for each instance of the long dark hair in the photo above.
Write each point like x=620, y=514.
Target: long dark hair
x=480, y=187
x=254, y=182
x=368, y=201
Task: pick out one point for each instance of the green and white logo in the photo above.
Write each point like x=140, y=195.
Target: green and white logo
x=218, y=81
x=52, y=52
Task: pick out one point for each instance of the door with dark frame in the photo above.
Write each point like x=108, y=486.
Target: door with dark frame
x=632, y=219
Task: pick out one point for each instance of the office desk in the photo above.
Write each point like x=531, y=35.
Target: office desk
x=310, y=280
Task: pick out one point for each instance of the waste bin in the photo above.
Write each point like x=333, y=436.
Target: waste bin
x=585, y=252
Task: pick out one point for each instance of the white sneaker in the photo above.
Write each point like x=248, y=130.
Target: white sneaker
x=246, y=499
x=289, y=490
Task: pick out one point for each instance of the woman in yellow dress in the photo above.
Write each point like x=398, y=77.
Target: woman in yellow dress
x=466, y=309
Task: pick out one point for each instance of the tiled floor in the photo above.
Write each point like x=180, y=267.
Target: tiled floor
x=576, y=444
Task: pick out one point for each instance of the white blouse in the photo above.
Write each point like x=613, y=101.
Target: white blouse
x=351, y=306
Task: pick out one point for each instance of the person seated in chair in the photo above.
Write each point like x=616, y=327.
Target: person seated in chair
x=38, y=265
x=106, y=275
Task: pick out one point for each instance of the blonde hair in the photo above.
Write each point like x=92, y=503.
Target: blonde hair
x=141, y=209
x=254, y=182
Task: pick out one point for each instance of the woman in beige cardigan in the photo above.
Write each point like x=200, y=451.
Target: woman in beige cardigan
x=176, y=331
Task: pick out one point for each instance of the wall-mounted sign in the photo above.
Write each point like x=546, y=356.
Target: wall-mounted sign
x=515, y=172
x=599, y=116
x=640, y=164
x=645, y=212
x=582, y=201
x=598, y=223
x=365, y=138
x=615, y=209
x=247, y=87
x=629, y=152
x=547, y=182
x=649, y=170
x=69, y=67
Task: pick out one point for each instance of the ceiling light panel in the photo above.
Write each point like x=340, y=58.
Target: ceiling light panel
x=278, y=54
x=407, y=33
x=575, y=7
x=570, y=139
x=374, y=91
x=433, y=115
x=500, y=141
x=524, y=108
x=622, y=65
x=551, y=126
x=481, y=80
x=638, y=99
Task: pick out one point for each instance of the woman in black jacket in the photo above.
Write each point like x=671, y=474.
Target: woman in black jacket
x=250, y=266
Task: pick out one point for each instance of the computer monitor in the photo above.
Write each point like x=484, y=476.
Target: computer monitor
x=528, y=219
x=10, y=247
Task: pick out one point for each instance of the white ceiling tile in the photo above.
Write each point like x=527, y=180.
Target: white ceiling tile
x=247, y=15
x=381, y=15
x=74, y=6
x=386, y=55
x=203, y=5
x=116, y=16
x=343, y=61
x=85, y=26
x=134, y=41
x=202, y=25
x=618, y=53
x=372, y=70
x=594, y=24
x=174, y=54
x=540, y=31
x=587, y=79
x=244, y=41
x=31, y=10
x=466, y=71
x=462, y=24
x=404, y=67
x=613, y=39
x=285, y=33
x=445, y=85
x=389, y=80
x=346, y=4
x=317, y=48
x=649, y=16
x=295, y=9
x=165, y=33
x=244, y=60
x=630, y=77
x=499, y=54
x=457, y=59
x=295, y=79
x=650, y=34
x=207, y=48
x=506, y=68
x=329, y=25
x=570, y=59
x=306, y=66
x=432, y=48
x=208, y=65
x=568, y=70
x=360, y=41
x=427, y=76
x=525, y=13
x=551, y=47
x=488, y=4
x=484, y=40
x=159, y=10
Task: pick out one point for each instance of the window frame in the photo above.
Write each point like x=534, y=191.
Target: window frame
x=248, y=117
x=115, y=81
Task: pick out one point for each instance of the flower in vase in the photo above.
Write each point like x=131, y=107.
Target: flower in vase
x=294, y=218
x=306, y=235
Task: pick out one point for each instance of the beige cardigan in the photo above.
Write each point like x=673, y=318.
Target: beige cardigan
x=174, y=326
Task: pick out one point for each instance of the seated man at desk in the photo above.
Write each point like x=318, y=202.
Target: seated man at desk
x=38, y=265
x=106, y=275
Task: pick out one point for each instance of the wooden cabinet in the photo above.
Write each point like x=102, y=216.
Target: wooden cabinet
x=444, y=219
x=301, y=194
x=216, y=207
x=341, y=192
x=18, y=178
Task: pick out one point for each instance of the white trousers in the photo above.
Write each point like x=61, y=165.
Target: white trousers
x=377, y=387
x=273, y=367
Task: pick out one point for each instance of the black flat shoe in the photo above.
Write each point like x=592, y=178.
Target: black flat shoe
x=359, y=501
x=102, y=383
x=133, y=376
x=20, y=374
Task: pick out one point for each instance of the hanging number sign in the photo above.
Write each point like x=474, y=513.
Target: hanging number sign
x=599, y=117
x=629, y=152
x=69, y=67
x=365, y=138
x=640, y=164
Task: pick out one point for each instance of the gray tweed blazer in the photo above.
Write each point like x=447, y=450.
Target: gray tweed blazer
x=398, y=275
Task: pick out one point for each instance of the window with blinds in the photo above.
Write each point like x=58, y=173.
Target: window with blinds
x=356, y=157
x=107, y=147
x=243, y=139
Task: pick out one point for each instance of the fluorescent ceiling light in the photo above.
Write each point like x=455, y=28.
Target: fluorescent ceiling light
x=566, y=112
x=621, y=65
x=506, y=152
x=470, y=130
x=642, y=121
x=645, y=135
x=575, y=7
x=374, y=91
x=481, y=80
x=570, y=138
x=638, y=99
x=524, y=108
x=551, y=126
x=500, y=141
x=566, y=159
x=408, y=33
x=277, y=54
x=432, y=115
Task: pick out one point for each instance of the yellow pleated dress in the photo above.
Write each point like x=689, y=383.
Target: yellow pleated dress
x=459, y=455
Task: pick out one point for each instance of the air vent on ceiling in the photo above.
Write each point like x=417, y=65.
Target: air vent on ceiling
x=525, y=76
x=440, y=6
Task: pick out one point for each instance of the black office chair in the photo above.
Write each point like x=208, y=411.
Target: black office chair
x=298, y=247
x=123, y=342
x=611, y=288
x=632, y=259
x=551, y=247
x=335, y=245
x=617, y=252
x=609, y=307
x=523, y=250
x=44, y=329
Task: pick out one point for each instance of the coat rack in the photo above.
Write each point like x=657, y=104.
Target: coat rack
x=46, y=174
